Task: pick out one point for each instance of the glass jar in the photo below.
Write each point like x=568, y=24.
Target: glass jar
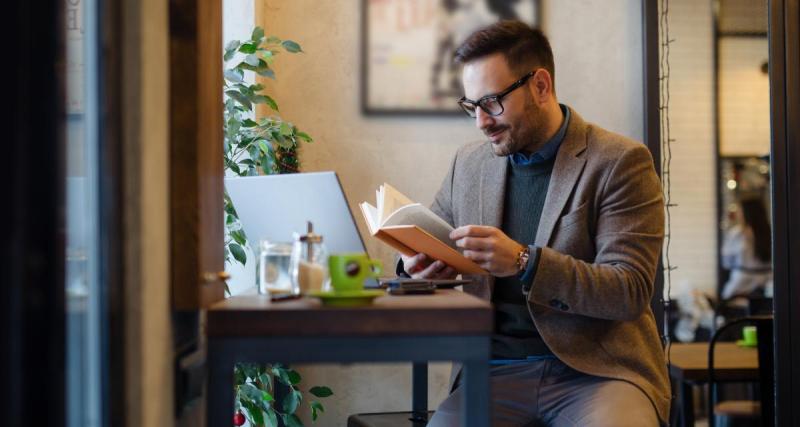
x=274, y=275
x=309, y=264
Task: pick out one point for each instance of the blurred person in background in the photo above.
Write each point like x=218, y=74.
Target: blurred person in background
x=747, y=252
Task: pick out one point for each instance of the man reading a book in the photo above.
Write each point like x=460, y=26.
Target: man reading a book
x=567, y=219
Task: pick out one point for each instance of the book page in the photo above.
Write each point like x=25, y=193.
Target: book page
x=424, y=218
x=370, y=216
x=390, y=200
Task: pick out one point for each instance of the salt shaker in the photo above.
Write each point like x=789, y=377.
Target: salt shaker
x=309, y=263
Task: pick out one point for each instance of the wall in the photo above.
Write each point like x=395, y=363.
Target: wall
x=694, y=226
x=744, y=96
x=597, y=48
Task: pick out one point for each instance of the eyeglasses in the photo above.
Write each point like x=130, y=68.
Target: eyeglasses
x=491, y=104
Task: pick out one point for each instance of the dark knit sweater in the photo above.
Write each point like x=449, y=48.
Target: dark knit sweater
x=515, y=335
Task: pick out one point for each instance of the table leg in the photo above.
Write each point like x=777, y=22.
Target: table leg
x=220, y=387
x=419, y=387
x=475, y=400
x=687, y=404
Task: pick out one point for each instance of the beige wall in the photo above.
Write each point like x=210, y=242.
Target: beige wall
x=694, y=226
x=597, y=48
x=149, y=376
x=744, y=97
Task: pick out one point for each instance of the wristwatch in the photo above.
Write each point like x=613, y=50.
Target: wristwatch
x=522, y=258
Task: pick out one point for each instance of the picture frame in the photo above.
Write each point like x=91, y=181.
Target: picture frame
x=407, y=48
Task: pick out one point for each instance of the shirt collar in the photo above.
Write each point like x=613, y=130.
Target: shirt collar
x=550, y=148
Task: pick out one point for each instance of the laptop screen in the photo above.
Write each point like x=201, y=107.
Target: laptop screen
x=274, y=207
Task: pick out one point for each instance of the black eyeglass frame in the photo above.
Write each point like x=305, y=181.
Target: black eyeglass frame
x=497, y=97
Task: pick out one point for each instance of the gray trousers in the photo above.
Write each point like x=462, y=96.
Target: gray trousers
x=549, y=393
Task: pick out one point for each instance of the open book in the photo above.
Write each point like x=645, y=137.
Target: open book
x=412, y=228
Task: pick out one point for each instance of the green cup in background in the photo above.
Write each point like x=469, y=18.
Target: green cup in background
x=348, y=271
x=749, y=336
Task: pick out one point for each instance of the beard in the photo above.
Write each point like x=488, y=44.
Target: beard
x=526, y=133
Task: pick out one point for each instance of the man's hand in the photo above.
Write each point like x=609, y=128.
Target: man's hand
x=420, y=266
x=489, y=247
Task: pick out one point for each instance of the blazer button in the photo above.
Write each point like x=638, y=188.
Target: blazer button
x=558, y=305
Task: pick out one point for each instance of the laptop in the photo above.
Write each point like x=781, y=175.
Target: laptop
x=274, y=207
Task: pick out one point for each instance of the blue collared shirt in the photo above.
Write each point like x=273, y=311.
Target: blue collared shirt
x=550, y=148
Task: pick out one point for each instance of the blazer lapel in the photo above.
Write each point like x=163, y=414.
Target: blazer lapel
x=493, y=189
x=490, y=200
x=566, y=171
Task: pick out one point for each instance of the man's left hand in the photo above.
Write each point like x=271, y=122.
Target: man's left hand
x=488, y=247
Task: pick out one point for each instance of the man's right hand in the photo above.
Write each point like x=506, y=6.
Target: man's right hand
x=420, y=266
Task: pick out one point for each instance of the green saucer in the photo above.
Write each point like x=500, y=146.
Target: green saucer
x=349, y=298
x=741, y=343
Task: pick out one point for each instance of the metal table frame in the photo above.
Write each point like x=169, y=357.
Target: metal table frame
x=472, y=351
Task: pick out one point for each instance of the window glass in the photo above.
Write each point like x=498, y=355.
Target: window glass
x=83, y=336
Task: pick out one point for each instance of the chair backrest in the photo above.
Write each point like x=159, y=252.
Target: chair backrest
x=764, y=329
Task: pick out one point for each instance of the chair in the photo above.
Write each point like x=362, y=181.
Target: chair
x=763, y=409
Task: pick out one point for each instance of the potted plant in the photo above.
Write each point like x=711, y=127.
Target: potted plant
x=256, y=146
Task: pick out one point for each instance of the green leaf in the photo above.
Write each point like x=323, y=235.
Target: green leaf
x=234, y=75
x=238, y=254
x=258, y=34
x=273, y=418
x=250, y=369
x=254, y=412
x=304, y=136
x=238, y=375
x=249, y=123
x=248, y=48
x=321, y=391
x=271, y=102
x=316, y=407
x=291, y=401
x=232, y=45
x=264, y=146
x=291, y=420
x=238, y=235
x=293, y=377
x=284, y=143
x=273, y=40
x=267, y=72
x=235, y=168
x=228, y=55
x=267, y=166
x=286, y=129
x=265, y=380
x=251, y=392
x=230, y=50
x=251, y=60
x=291, y=46
x=239, y=98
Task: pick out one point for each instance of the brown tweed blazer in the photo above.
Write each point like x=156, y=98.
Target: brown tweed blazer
x=601, y=232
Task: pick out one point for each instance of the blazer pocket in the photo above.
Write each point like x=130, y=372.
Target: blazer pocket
x=576, y=216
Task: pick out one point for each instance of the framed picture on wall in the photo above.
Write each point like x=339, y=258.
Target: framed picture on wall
x=408, y=46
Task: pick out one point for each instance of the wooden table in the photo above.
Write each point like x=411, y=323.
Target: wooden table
x=449, y=325
x=688, y=366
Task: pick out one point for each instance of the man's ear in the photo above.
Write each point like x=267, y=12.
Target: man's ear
x=541, y=84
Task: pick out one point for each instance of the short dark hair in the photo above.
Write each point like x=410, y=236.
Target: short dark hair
x=524, y=48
